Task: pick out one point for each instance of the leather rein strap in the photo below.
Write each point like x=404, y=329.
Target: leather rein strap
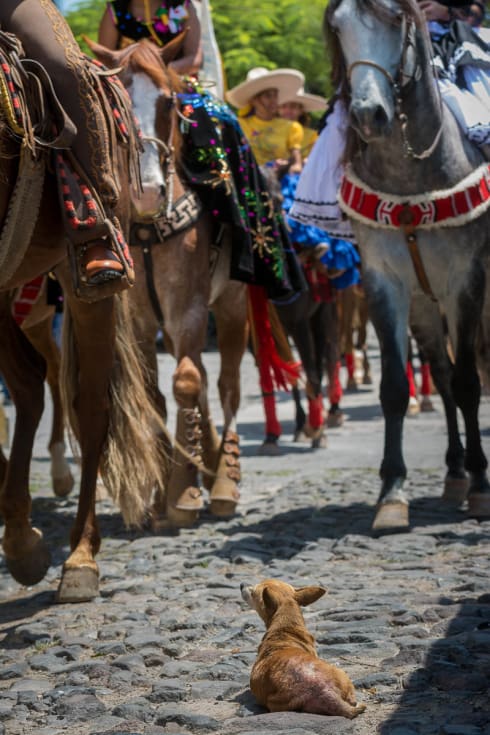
x=410, y=233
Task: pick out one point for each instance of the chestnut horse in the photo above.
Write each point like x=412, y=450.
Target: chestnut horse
x=109, y=411
x=38, y=327
x=180, y=275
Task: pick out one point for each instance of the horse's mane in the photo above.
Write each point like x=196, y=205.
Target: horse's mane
x=145, y=56
x=338, y=69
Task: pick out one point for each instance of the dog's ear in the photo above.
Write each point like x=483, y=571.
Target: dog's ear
x=270, y=601
x=307, y=595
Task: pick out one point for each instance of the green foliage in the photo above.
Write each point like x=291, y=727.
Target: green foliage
x=270, y=33
x=85, y=20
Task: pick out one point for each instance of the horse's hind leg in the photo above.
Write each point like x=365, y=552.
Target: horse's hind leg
x=27, y=555
x=427, y=328
x=40, y=335
x=230, y=311
x=467, y=389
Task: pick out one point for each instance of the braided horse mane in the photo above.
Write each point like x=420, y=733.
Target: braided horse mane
x=147, y=58
x=338, y=76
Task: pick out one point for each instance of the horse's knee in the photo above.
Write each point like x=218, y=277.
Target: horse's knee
x=187, y=383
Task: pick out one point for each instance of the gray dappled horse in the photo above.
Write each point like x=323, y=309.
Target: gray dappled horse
x=417, y=194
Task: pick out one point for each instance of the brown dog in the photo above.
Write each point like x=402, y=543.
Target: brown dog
x=287, y=674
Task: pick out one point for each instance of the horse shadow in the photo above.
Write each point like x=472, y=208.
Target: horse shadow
x=447, y=690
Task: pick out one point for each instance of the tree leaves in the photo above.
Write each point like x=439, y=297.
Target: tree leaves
x=270, y=33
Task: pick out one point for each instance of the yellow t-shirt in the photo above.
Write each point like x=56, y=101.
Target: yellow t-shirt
x=271, y=139
x=309, y=138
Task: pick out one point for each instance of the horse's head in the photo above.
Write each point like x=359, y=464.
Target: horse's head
x=376, y=49
x=152, y=87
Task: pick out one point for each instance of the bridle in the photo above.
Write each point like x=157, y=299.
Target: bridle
x=399, y=83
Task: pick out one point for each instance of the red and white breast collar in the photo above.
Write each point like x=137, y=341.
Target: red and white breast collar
x=448, y=208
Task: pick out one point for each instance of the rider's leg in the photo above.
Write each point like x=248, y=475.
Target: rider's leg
x=46, y=37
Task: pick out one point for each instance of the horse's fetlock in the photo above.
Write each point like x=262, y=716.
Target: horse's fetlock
x=187, y=383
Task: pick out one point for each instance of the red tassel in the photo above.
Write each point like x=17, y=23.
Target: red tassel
x=283, y=373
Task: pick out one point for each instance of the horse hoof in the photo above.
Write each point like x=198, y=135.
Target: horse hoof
x=455, y=490
x=179, y=518
x=479, y=505
x=78, y=585
x=426, y=405
x=413, y=407
x=351, y=385
x=334, y=420
x=62, y=486
x=391, y=517
x=270, y=449
x=31, y=568
x=367, y=380
x=319, y=442
x=222, y=508
x=299, y=436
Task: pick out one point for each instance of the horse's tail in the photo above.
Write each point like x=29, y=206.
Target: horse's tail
x=133, y=463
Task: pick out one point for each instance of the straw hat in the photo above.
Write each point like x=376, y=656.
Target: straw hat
x=286, y=81
x=310, y=102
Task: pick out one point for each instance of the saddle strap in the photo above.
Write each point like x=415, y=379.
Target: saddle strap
x=150, y=282
x=18, y=225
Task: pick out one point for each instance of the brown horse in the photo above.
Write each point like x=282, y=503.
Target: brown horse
x=179, y=276
x=38, y=327
x=102, y=379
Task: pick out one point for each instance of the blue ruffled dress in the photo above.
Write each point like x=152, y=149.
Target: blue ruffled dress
x=341, y=255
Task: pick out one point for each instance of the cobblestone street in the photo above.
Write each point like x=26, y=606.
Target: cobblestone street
x=168, y=645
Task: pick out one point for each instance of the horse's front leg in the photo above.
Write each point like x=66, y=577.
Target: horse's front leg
x=89, y=341
x=230, y=311
x=388, y=307
x=27, y=555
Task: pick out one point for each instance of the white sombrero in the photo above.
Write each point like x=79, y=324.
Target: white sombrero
x=286, y=81
x=310, y=102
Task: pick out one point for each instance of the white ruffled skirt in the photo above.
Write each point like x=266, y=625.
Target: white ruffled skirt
x=315, y=202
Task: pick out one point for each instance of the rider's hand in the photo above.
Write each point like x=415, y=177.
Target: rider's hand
x=434, y=11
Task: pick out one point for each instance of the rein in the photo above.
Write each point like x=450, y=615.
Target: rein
x=398, y=83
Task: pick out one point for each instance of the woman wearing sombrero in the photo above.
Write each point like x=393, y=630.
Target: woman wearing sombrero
x=299, y=109
x=275, y=141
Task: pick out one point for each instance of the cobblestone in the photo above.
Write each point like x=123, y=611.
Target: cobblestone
x=167, y=647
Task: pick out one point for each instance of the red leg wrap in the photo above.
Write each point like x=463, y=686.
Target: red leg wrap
x=425, y=389
x=335, y=388
x=349, y=364
x=411, y=382
x=315, y=412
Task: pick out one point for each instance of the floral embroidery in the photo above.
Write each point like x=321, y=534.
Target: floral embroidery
x=170, y=19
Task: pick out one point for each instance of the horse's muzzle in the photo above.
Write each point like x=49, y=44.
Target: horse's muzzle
x=370, y=120
x=150, y=203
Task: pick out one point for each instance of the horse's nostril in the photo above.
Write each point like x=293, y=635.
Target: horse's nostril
x=380, y=117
